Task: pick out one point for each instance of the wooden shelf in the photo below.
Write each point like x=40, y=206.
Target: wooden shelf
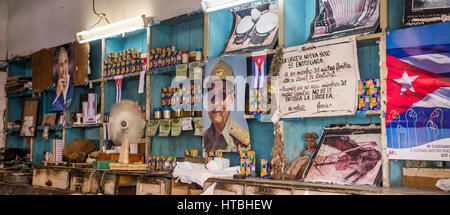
x=20, y=94
x=165, y=70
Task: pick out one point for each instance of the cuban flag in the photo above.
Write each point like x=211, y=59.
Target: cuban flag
x=118, y=80
x=418, y=93
x=257, y=101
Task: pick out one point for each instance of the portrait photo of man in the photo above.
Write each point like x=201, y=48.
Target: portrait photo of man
x=63, y=77
x=225, y=127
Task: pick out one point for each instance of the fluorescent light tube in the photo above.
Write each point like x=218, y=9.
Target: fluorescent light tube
x=213, y=5
x=110, y=30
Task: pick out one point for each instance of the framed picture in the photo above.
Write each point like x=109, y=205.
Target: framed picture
x=255, y=27
x=349, y=156
x=419, y=12
x=49, y=119
x=340, y=18
x=30, y=114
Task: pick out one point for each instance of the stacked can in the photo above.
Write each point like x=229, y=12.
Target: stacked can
x=248, y=163
x=164, y=57
x=213, y=155
x=123, y=62
x=265, y=168
x=162, y=163
x=369, y=95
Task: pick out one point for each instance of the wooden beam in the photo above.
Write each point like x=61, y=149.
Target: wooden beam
x=206, y=36
x=147, y=98
x=384, y=15
x=281, y=40
x=102, y=97
x=384, y=151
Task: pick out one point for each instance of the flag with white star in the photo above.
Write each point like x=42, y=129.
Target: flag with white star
x=418, y=93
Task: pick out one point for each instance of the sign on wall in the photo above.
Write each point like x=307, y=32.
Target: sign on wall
x=419, y=12
x=336, y=18
x=255, y=27
x=319, y=79
x=418, y=93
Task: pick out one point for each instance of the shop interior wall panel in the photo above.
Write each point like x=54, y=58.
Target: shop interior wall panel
x=298, y=16
x=42, y=69
x=21, y=68
x=395, y=19
x=218, y=31
x=95, y=60
x=185, y=35
x=80, y=62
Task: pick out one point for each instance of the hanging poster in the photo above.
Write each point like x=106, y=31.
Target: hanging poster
x=225, y=129
x=176, y=127
x=63, y=77
x=319, y=79
x=255, y=27
x=337, y=18
x=419, y=12
x=347, y=156
x=418, y=93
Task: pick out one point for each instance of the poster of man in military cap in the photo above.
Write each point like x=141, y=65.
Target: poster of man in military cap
x=225, y=129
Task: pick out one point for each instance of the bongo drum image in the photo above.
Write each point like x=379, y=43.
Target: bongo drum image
x=264, y=27
x=243, y=30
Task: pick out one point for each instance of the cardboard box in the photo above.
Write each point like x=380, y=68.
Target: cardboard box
x=424, y=178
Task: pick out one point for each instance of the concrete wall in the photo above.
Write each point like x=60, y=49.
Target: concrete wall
x=34, y=25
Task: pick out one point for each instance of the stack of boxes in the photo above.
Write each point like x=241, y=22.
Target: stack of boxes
x=162, y=163
x=369, y=95
x=248, y=163
x=181, y=97
x=164, y=57
x=124, y=62
x=191, y=153
x=265, y=168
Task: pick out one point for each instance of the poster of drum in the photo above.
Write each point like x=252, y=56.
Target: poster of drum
x=418, y=93
x=255, y=27
x=350, y=156
x=419, y=12
x=318, y=79
x=336, y=18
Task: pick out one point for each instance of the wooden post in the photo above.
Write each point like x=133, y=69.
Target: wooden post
x=206, y=36
x=5, y=114
x=281, y=23
x=102, y=99
x=147, y=98
x=383, y=76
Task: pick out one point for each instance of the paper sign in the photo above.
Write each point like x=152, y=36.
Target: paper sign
x=176, y=127
x=186, y=123
x=152, y=127
x=164, y=129
x=141, y=82
x=319, y=79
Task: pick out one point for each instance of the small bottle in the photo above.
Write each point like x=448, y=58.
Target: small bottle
x=198, y=54
x=185, y=57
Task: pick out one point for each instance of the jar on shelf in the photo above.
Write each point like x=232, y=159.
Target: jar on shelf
x=157, y=113
x=198, y=54
x=184, y=57
x=166, y=112
x=192, y=55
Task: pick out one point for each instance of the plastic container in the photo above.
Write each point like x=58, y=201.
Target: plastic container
x=192, y=55
x=184, y=57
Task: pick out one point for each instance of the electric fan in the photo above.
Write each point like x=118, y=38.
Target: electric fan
x=126, y=127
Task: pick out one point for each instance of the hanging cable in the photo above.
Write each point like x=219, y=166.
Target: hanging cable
x=100, y=15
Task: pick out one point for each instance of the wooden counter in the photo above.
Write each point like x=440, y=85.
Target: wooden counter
x=258, y=186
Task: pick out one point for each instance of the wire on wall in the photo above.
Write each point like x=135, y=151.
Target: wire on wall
x=100, y=15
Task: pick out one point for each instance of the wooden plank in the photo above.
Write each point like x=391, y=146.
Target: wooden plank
x=384, y=150
x=281, y=23
x=147, y=98
x=102, y=97
x=384, y=15
x=206, y=36
x=42, y=69
x=58, y=179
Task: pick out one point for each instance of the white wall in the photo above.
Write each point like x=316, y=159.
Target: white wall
x=34, y=25
x=3, y=22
